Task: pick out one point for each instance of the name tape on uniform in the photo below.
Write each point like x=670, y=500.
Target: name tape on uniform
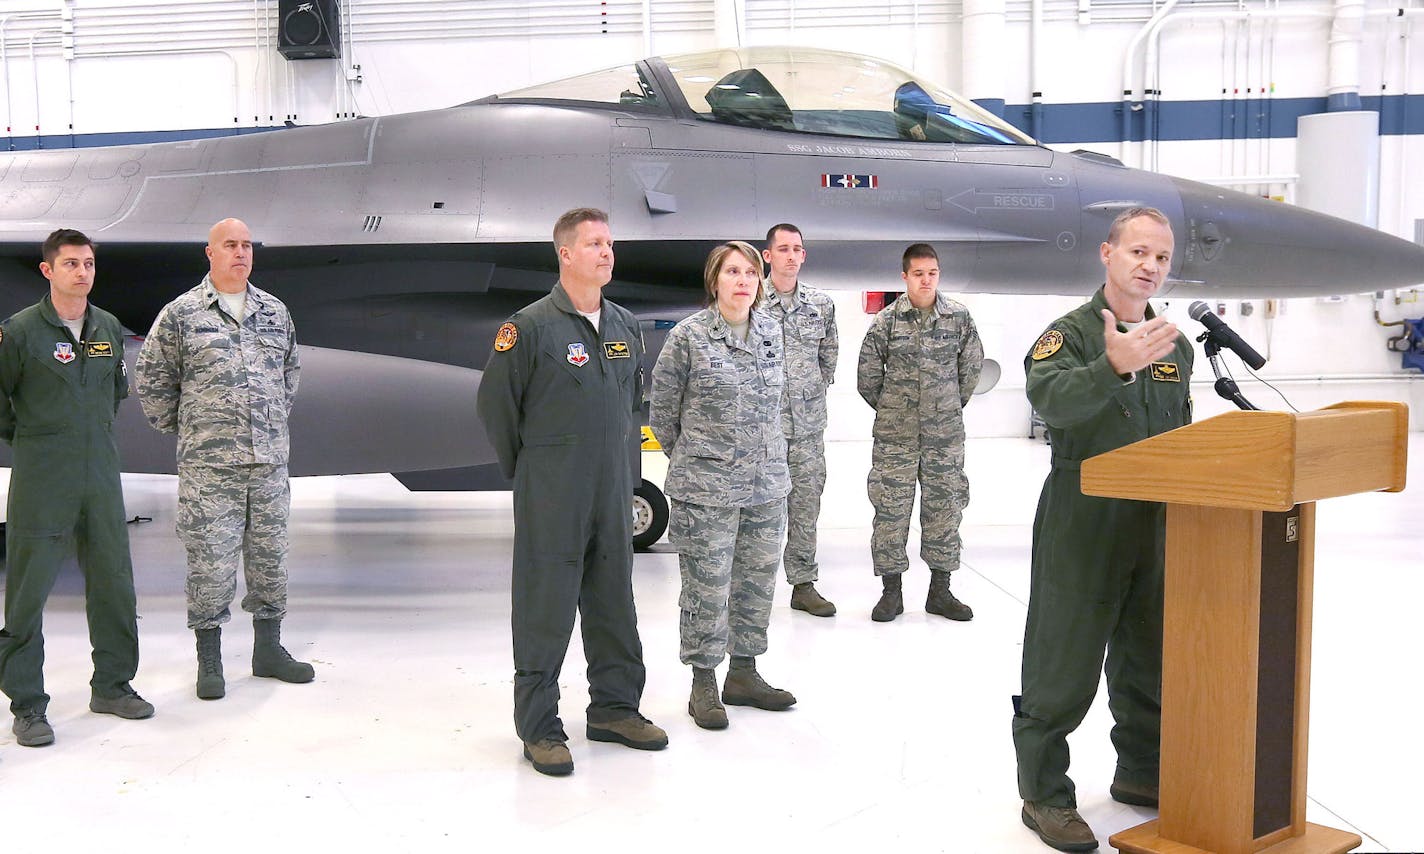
x=616, y=350
x=98, y=348
x=1166, y=372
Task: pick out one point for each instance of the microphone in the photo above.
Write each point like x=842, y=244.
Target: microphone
x=1223, y=335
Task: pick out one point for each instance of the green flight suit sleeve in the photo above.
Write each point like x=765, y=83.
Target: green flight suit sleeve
x=670, y=377
x=971, y=360
x=11, y=368
x=159, y=372
x=830, y=350
x=874, y=352
x=500, y=400
x=1072, y=383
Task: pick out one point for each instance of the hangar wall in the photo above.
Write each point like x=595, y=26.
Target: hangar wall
x=1230, y=78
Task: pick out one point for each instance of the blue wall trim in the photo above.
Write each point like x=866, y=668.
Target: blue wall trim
x=1240, y=118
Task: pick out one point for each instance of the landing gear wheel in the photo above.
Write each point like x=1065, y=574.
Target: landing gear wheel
x=650, y=515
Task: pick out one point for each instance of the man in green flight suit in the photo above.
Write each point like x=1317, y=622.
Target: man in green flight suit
x=557, y=400
x=1102, y=376
x=62, y=376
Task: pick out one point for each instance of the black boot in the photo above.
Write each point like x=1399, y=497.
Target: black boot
x=745, y=687
x=704, y=705
x=892, y=603
x=210, y=672
x=269, y=658
x=942, y=602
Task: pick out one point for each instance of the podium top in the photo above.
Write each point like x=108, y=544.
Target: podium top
x=1262, y=460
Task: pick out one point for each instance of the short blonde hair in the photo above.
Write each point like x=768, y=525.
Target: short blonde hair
x=1121, y=220
x=717, y=257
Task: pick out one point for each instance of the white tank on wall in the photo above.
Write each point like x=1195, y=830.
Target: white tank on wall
x=1338, y=156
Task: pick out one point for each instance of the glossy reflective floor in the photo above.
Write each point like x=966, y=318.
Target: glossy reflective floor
x=405, y=742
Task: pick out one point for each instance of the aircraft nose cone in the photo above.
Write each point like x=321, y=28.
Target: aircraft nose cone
x=1237, y=244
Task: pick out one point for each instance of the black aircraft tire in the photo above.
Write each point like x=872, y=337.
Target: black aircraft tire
x=650, y=515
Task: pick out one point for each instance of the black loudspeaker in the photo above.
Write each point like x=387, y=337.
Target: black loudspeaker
x=309, y=29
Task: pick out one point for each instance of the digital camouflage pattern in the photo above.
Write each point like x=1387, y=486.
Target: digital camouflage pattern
x=716, y=410
x=918, y=371
x=228, y=514
x=811, y=347
x=727, y=557
x=226, y=388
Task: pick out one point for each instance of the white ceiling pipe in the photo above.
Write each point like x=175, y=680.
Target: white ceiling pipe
x=983, y=50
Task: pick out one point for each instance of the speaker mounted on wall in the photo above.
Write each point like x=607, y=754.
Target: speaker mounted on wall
x=309, y=29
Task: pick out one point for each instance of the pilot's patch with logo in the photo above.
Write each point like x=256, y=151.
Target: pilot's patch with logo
x=616, y=350
x=63, y=352
x=94, y=349
x=1166, y=372
x=578, y=356
x=1047, y=344
x=506, y=337
x=2, y=334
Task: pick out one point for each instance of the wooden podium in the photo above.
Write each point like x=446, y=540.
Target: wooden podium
x=1240, y=490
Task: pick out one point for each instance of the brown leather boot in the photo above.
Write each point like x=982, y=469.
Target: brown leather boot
x=745, y=687
x=892, y=603
x=805, y=597
x=940, y=601
x=1059, y=827
x=704, y=705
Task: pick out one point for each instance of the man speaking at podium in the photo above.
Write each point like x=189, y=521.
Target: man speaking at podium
x=1105, y=375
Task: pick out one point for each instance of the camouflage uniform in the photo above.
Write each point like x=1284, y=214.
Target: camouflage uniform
x=1097, y=573
x=226, y=389
x=716, y=410
x=811, y=348
x=918, y=372
x=58, y=399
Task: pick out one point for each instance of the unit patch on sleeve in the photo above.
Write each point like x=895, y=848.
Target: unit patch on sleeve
x=98, y=348
x=616, y=350
x=1166, y=372
x=506, y=337
x=1047, y=344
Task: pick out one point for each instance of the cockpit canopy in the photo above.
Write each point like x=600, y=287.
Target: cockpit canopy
x=794, y=89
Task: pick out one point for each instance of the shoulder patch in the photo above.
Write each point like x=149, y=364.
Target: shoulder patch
x=1047, y=344
x=506, y=338
x=2, y=334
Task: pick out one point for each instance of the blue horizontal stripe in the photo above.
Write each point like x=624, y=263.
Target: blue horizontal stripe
x=1230, y=118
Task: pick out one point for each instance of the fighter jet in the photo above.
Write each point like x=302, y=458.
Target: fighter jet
x=401, y=242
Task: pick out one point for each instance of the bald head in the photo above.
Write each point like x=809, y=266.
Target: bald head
x=229, y=255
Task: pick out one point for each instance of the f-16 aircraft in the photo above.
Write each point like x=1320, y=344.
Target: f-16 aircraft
x=401, y=242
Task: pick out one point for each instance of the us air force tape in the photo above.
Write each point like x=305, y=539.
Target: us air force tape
x=1047, y=344
x=506, y=338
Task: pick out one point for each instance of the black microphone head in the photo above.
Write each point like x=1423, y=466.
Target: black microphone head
x=1197, y=310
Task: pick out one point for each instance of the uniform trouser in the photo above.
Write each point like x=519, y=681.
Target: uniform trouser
x=1096, y=584
x=944, y=493
x=806, y=459
x=227, y=515
x=573, y=555
x=34, y=557
x=727, y=557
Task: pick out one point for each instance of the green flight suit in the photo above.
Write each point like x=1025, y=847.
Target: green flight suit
x=58, y=399
x=1097, y=563
x=558, y=401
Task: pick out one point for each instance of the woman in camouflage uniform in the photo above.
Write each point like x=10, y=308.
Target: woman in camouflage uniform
x=716, y=409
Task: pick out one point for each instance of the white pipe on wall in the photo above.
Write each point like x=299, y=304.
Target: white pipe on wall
x=983, y=50
x=1347, y=30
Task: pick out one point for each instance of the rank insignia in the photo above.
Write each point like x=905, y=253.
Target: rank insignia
x=64, y=352
x=616, y=350
x=98, y=348
x=577, y=355
x=1047, y=345
x=505, y=338
x=1166, y=372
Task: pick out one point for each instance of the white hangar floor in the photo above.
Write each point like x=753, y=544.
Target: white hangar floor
x=404, y=741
